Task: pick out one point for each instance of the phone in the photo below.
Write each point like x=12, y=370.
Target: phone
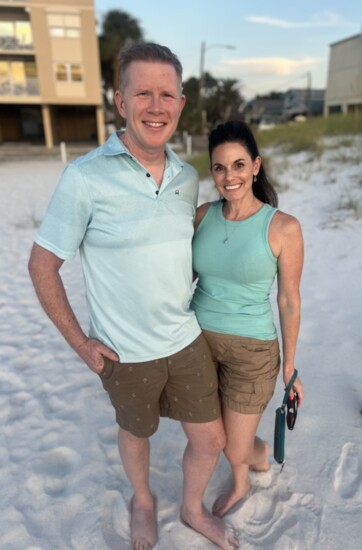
x=292, y=411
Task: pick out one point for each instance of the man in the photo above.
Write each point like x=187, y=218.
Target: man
x=129, y=206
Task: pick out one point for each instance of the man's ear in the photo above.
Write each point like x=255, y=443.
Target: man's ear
x=183, y=101
x=118, y=100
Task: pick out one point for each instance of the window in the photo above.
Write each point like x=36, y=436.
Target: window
x=64, y=25
x=15, y=35
x=18, y=78
x=76, y=75
x=68, y=72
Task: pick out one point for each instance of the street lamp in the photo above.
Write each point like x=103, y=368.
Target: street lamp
x=202, y=67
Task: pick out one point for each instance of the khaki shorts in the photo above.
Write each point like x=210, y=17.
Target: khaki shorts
x=247, y=370
x=182, y=386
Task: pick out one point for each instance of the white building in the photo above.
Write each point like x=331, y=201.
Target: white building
x=344, y=84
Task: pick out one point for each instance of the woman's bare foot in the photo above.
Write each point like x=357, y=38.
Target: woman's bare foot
x=264, y=465
x=143, y=526
x=226, y=501
x=214, y=529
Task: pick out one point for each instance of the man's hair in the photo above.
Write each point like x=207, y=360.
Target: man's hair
x=147, y=51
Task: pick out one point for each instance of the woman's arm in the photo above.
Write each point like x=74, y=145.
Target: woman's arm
x=200, y=213
x=287, y=241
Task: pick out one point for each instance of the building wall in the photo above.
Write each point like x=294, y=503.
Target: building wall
x=53, y=51
x=344, y=84
x=61, y=69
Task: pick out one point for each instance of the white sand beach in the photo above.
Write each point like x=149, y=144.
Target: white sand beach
x=62, y=484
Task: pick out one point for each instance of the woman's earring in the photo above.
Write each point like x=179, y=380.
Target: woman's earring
x=254, y=179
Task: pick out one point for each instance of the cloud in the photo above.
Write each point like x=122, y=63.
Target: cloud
x=275, y=66
x=323, y=19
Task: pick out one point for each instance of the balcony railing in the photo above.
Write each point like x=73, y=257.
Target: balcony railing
x=28, y=88
x=12, y=43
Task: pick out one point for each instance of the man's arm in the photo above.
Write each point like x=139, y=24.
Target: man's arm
x=44, y=269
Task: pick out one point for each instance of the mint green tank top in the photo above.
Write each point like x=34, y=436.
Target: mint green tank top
x=236, y=270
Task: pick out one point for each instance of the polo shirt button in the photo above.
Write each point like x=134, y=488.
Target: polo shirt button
x=148, y=175
x=157, y=192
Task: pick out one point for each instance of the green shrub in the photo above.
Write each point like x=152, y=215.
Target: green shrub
x=201, y=162
x=296, y=136
x=306, y=136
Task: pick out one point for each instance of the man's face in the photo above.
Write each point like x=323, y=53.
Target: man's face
x=151, y=102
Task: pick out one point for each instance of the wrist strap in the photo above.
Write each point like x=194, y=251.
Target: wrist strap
x=289, y=387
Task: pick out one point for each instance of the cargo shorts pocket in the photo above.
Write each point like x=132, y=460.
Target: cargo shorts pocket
x=108, y=369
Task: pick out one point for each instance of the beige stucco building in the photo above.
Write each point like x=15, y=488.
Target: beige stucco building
x=344, y=84
x=50, y=82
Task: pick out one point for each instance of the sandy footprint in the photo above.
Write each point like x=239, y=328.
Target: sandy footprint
x=275, y=517
x=115, y=521
x=279, y=524
x=348, y=475
x=57, y=467
x=308, y=511
x=263, y=480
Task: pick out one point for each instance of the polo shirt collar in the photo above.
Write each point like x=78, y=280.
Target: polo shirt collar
x=114, y=146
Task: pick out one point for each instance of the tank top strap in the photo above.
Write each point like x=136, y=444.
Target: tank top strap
x=269, y=212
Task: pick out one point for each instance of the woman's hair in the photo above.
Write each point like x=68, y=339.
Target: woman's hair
x=237, y=131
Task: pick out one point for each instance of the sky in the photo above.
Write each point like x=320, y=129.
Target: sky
x=277, y=45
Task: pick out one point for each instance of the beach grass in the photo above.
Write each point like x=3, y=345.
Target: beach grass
x=296, y=136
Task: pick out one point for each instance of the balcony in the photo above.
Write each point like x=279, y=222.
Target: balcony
x=28, y=88
x=12, y=44
x=18, y=78
x=16, y=37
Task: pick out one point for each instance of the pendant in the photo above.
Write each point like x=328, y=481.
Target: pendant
x=225, y=241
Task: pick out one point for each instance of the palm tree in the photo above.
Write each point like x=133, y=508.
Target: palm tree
x=222, y=100
x=119, y=29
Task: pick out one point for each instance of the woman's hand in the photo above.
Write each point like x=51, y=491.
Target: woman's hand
x=296, y=388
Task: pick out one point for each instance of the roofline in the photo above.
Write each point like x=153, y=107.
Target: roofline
x=346, y=39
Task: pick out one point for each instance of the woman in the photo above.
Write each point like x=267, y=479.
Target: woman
x=241, y=243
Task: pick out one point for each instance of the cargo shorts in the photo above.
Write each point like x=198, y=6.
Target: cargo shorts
x=183, y=387
x=247, y=370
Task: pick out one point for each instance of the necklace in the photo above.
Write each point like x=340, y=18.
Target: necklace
x=227, y=234
x=236, y=225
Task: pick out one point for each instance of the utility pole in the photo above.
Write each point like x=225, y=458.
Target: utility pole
x=309, y=94
x=200, y=102
x=202, y=76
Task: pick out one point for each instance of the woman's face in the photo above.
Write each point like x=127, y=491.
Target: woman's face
x=233, y=169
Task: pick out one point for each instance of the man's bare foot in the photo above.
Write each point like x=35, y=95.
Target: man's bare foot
x=225, y=502
x=264, y=465
x=214, y=529
x=143, y=526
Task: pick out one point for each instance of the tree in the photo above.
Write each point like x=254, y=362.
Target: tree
x=190, y=120
x=222, y=99
x=224, y=102
x=271, y=95
x=119, y=29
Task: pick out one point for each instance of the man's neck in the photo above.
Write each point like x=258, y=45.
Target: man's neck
x=154, y=160
x=153, y=157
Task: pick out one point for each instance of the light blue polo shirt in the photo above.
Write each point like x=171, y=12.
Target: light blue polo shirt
x=134, y=242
